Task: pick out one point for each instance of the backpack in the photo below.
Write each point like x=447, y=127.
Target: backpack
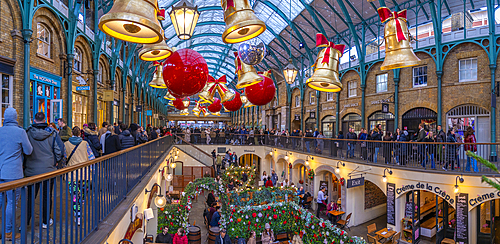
x=64, y=161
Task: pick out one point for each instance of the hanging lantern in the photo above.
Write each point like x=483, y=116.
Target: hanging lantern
x=326, y=72
x=155, y=52
x=247, y=75
x=215, y=107
x=157, y=81
x=234, y=104
x=185, y=73
x=184, y=18
x=290, y=72
x=263, y=92
x=398, y=50
x=133, y=21
x=241, y=22
x=169, y=96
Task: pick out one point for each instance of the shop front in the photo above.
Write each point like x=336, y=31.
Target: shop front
x=101, y=110
x=353, y=121
x=386, y=120
x=80, y=103
x=476, y=117
x=328, y=126
x=412, y=118
x=7, y=75
x=116, y=108
x=310, y=123
x=45, y=94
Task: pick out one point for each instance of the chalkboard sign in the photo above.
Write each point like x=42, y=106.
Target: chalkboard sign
x=355, y=182
x=409, y=210
x=391, y=203
x=462, y=229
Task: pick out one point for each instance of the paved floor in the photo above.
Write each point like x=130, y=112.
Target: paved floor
x=196, y=215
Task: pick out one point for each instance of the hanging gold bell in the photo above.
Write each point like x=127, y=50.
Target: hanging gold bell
x=247, y=75
x=241, y=22
x=398, y=50
x=196, y=109
x=224, y=92
x=184, y=112
x=205, y=95
x=133, y=21
x=216, y=113
x=155, y=52
x=169, y=96
x=246, y=103
x=326, y=72
x=157, y=81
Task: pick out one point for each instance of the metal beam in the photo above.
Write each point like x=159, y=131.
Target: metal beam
x=360, y=16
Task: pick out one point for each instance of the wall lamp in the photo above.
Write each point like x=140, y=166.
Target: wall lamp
x=125, y=241
x=384, y=178
x=307, y=159
x=458, y=178
x=286, y=156
x=169, y=175
x=160, y=200
x=337, y=170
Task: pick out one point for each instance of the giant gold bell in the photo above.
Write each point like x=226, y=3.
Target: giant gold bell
x=397, y=54
x=246, y=102
x=157, y=81
x=241, y=22
x=169, y=96
x=205, y=95
x=196, y=109
x=184, y=112
x=155, y=52
x=133, y=21
x=247, y=75
x=228, y=95
x=326, y=74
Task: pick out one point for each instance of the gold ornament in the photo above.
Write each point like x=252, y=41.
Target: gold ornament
x=157, y=81
x=326, y=72
x=155, y=52
x=247, y=75
x=241, y=22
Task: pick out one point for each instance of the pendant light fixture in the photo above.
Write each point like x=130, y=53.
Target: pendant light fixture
x=290, y=71
x=184, y=18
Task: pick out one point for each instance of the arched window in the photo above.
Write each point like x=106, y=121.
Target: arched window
x=77, y=63
x=43, y=36
x=99, y=74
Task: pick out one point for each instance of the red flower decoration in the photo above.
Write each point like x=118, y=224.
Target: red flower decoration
x=254, y=215
x=284, y=222
x=275, y=216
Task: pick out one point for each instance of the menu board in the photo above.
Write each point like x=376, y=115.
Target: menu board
x=409, y=210
x=391, y=203
x=462, y=227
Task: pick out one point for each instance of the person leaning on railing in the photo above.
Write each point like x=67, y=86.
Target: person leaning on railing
x=451, y=150
x=13, y=143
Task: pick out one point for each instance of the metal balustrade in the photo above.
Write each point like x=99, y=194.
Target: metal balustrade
x=432, y=156
x=74, y=200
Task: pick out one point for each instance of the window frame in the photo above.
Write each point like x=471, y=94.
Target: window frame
x=469, y=70
x=312, y=98
x=351, y=88
x=78, y=60
x=100, y=74
x=386, y=75
x=413, y=75
x=329, y=96
x=10, y=94
x=42, y=41
x=297, y=101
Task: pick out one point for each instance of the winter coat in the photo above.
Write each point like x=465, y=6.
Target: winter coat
x=111, y=144
x=161, y=238
x=469, y=147
x=215, y=219
x=267, y=239
x=126, y=139
x=421, y=135
x=376, y=136
x=430, y=148
x=220, y=240
x=441, y=136
x=92, y=138
x=83, y=152
x=13, y=143
x=141, y=138
x=43, y=158
x=451, y=149
x=180, y=239
x=65, y=133
x=274, y=178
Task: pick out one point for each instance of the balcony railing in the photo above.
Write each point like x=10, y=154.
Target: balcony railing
x=432, y=156
x=74, y=200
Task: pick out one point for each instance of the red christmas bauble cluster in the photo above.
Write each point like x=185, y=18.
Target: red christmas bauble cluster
x=185, y=73
x=234, y=104
x=216, y=106
x=178, y=104
x=261, y=93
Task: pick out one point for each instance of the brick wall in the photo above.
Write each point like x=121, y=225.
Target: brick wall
x=373, y=195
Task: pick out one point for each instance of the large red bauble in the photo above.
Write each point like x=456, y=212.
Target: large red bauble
x=185, y=72
x=234, y=104
x=178, y=104
x=261, y=93
x=216, y=106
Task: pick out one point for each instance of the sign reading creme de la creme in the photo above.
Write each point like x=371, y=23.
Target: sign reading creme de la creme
x=427, y=187
x=483, y=198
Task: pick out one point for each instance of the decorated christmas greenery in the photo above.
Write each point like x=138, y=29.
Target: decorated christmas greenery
x=236, y=174
x=263, y=195
x=310, y=173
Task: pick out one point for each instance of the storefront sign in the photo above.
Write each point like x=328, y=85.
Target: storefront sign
x=355, y=182
x=83, y=88
x=108, y=96
x=385, y=108
x=45, y=77
x=155, y=116
x=252, y=151
x=351, y=105
x=483, y=198
x=138, y=108
x=462, y=227
x=427, y=187
x=297, y=117
x=324, y=184
x=149, y=112
x=409, y=210
x=380, y=101
x=391, y=203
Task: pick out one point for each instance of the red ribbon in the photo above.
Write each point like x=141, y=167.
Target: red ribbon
x=219, y=83
x=321, y=41
x=386, y=14
x=229, y=3
x=238, y=61
x=157, y=64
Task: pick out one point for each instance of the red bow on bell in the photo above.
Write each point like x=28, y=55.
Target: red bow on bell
x=229, y=3
x=238, y=61
x=321, y=41
x=219, y=84
x=386, y=14
x=157, y=64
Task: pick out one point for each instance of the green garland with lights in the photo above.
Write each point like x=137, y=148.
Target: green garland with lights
x=236, y=174
x=310, y=174
x=262, y=195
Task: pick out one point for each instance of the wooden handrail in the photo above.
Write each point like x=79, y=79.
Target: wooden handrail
x=41, y=177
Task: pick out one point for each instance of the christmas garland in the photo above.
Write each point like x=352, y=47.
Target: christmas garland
x=236, y=174
x=263, y=195
x=310, y=173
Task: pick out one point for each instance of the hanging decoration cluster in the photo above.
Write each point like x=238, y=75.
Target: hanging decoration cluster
x=236, y=174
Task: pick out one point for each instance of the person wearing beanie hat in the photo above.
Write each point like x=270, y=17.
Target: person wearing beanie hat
x=267, y=235
x=222, y=238
x=13, y=143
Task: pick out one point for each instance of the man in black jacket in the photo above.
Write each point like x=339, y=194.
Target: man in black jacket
x=440, y=137
x=222, y=238
x=91, y=137
x=164, y=236
x=351, y=144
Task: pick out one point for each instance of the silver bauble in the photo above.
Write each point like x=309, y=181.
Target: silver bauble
x=252, y=52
